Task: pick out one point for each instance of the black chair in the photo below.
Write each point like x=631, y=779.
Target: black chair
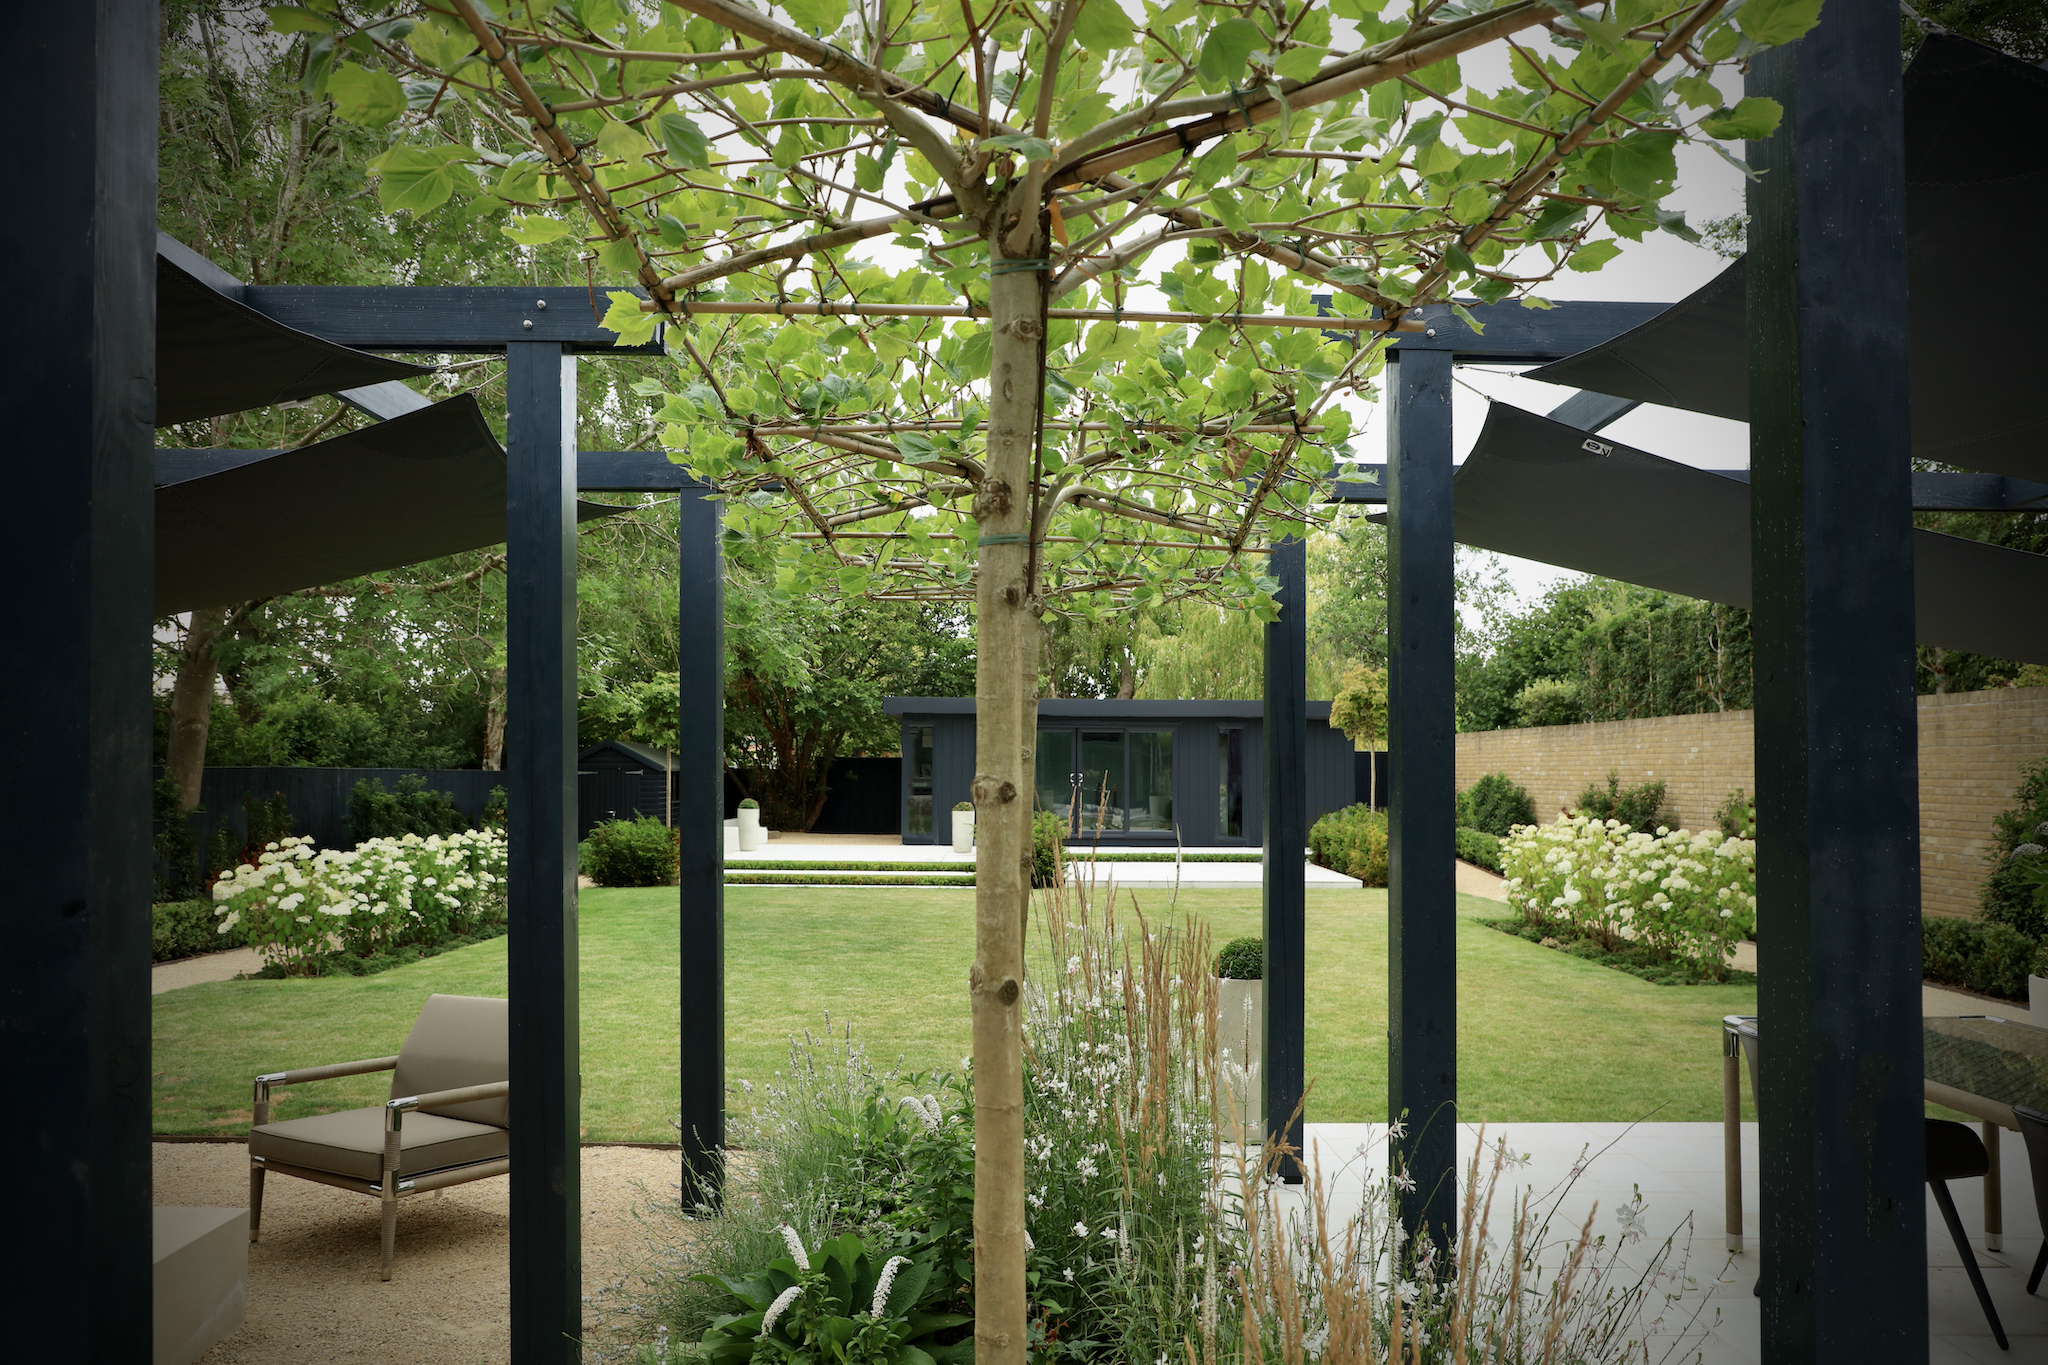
x=1956, y=1153
x=2034, y=1129
x=1953, y=1153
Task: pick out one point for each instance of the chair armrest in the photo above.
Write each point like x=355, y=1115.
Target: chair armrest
x=261, y=1107
x=394, y=1112
x=439, y=1099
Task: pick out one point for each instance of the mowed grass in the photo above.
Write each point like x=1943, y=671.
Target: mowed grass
x=1541, y=1036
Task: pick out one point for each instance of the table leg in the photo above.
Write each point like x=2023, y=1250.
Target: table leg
x=1731, y=1144
x=1994, y=1200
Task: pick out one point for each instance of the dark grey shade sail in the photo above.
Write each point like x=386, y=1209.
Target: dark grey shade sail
x=215, y=355
x=417, y=487
x=1974, y=156
x=1549, y=492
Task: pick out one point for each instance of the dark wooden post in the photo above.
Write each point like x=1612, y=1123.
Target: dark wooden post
x=540, y=745
x=1286, y=805
x=1422, y=974
x=1844, y=1244
x=77, y=405
x=700, y=820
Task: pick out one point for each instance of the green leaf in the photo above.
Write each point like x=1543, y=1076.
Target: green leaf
x=1773, y=23
x=1350, y=274
x=1720, y=44
x=1592, y=255
x=620, y=255
x=532, y=229
x=1697, y=91
x=1604, y=35
x=1492, y=290
x=1227, y=51
x=1298, y=63
x=867, y=173
x=1644, y=164
x=371, y=98
x=622, y=141
x=688, y=149
x=1464, y=315
x=821, y=16
x=634, y=327
x=1675, y=224
x=420, y=179
x=292, y=19
x=1023, y=144
x=1751, y=119
x=1471, y=204
x=788, y=149
x=600, y=16
x=520, y=180
x=1103, y=25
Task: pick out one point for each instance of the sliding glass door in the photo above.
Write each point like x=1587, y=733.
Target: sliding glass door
x=1107, y=783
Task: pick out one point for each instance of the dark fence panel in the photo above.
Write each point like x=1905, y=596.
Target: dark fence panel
x=1372, y=789
x=318, y=797
x=864, y=796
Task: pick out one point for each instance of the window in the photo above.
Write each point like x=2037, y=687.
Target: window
x=1151, y=781
x=1230, y=783
x=920, y=781
x=1053, y=775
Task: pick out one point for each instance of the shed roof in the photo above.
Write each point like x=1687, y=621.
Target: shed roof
x=655, y=760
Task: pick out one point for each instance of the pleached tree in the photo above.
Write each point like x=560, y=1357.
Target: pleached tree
x=1128, y=262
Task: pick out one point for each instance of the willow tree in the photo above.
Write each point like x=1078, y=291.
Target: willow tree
x=1092, y=368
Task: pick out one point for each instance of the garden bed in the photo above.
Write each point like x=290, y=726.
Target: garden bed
x=341, y=962
x=1653, y=967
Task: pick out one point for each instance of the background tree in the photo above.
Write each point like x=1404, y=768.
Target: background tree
x=1034, y=163
x=1360, y=711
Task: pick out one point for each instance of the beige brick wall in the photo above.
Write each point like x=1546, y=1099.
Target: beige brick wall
x=1972, y=747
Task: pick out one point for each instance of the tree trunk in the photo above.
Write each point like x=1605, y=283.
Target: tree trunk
x=192, y=703
x=1006, y=686
x=494, y=720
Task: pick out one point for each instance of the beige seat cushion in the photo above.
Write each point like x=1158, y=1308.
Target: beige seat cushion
x=458, y=1041
x=352, y=1143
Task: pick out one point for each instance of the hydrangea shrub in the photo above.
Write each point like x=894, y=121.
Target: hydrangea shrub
x=1688, y=894
x=295, y=903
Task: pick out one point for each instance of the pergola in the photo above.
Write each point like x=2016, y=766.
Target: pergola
x=1831, y=585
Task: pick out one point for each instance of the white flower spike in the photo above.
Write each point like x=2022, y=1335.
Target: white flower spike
x=883, y=1284
x=777, y=1308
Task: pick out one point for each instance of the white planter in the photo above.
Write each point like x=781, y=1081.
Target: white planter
x=1240, y=1032
x=963, y=831
x=2037, y=1001
x=751, y=836
x=732, y=838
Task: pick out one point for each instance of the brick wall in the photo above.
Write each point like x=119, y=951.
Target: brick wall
x=1972, y=747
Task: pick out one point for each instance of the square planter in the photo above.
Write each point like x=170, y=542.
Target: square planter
x=2037, y=1001
x=963, y=831
x=1240, y=1031
x=751, y=835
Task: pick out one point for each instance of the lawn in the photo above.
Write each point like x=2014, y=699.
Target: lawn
x=1541, y=1035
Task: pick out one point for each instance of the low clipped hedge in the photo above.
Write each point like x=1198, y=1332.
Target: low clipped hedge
x=1480, y=849
x=182, y=929
x=1242, y=959
x=1981, y=956
x=1352, y=841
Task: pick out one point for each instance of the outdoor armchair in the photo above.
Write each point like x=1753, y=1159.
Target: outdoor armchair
x=447, y=1121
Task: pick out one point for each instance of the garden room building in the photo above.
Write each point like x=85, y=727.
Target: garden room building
x=1127, y=773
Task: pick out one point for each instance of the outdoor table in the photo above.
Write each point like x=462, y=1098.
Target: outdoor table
x=1977, y=1064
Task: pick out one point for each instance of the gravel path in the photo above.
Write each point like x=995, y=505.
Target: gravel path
x=225, y=966
x=314, y=1295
